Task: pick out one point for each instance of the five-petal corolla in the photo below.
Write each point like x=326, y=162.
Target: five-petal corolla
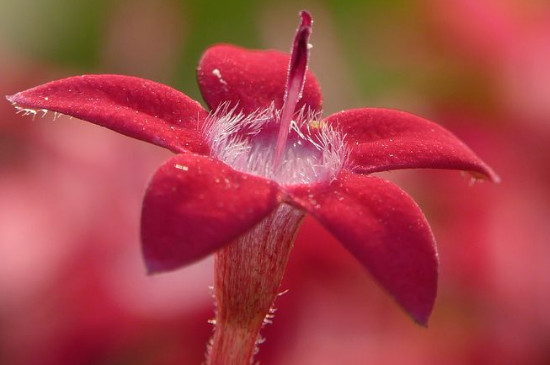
x=197, y=202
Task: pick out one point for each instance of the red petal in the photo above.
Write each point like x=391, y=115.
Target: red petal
x=194, y=205
x=384, y=229
x=253, y=79
x=383, y=139
x=135, y=107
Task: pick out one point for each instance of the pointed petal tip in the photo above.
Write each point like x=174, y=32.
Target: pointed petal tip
x=15, y=99
x=21, y=97
x=423, y=322
x=421, y=318
x=485, y=173
x=419, y=311
x=154, y=267
x=492, y=176
x=151, y=270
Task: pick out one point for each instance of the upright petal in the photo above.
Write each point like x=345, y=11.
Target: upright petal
x=384, y=229
x=135, y=107
x=194, y=205
x=252, y=79
x=384, y=139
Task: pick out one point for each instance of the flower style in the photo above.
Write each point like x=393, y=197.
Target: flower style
x=247, y=172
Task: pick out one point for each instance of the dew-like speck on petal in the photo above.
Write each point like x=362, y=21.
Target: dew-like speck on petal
x=181, y=167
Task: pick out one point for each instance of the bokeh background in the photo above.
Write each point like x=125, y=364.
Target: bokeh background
x=73, y=288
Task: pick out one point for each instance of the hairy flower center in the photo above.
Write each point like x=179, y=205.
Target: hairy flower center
x=288, y=146
x=313, y=151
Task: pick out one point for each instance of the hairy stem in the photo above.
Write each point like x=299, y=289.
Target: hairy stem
x=248, y=273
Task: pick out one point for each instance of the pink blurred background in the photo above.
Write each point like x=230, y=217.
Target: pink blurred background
x=73, y=288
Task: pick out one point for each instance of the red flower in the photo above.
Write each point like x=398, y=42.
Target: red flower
x=262, y=149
